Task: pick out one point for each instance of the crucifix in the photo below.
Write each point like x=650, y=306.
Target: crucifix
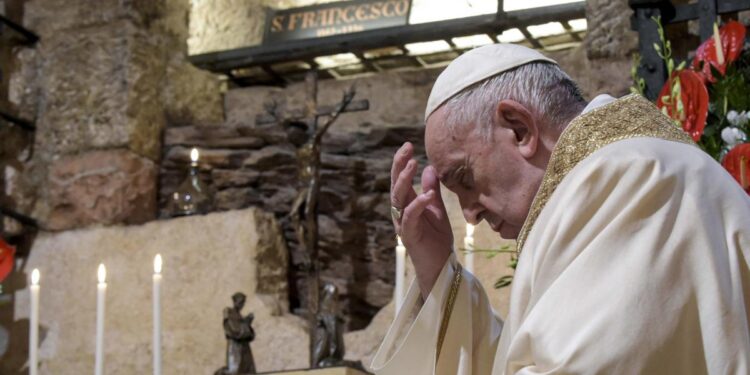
x=306, y=128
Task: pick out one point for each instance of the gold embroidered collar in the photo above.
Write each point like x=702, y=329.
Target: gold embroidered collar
x=630, y=117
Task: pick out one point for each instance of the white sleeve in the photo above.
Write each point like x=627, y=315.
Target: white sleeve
x=471, y=334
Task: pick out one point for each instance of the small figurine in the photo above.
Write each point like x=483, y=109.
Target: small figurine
x=328, y=343
x=239, y=333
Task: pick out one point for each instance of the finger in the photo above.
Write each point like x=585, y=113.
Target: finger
x=402, y=191
x=430, y=182
x=412, y=212
x=402, y=156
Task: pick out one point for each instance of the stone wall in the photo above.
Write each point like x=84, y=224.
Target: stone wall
x=217, y=25
x=206, y=260
x=102, y=84
x=356, y=235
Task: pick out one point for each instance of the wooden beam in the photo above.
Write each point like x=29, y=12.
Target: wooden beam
x=569, y=30
x=367, y=63
x=390, y=36
x=535, y=43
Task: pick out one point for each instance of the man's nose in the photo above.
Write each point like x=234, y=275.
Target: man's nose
x=471, y=209
x=473, y=214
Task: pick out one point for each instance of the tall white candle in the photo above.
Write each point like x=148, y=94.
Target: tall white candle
x=157, y=315
x=101, y=294
x=34, y=324
x=469, y=246
x=398, y=292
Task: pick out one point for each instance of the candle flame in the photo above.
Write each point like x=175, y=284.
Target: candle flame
x=35, y=277
x=400, y=243
x=194, y=155
x=102, y=274
x=469, y=230
x=157, y=263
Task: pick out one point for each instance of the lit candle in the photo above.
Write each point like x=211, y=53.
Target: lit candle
x=719, y=48
x=101, y=294
x=194, y=155
x=469, y=246
x=34, y=324
x=157, y=315
x=400, y=274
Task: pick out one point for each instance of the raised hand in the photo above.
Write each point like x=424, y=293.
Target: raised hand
x=423, y=224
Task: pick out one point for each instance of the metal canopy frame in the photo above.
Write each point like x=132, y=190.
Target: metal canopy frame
x=263, y=58
x=21, y=36
x=28, y=36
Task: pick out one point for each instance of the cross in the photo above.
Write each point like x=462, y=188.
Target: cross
x=304, y=211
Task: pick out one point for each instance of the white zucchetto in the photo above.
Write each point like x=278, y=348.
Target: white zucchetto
x=477, y=65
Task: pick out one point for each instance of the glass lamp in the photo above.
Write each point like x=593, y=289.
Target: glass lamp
x=193, y=195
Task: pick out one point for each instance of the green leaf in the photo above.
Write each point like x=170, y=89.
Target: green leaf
x=503, y=281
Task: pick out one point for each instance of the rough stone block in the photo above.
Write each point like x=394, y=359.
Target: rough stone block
x=609, y=34
x=397, y=99
x=192, y=96
x=225, y=24
x=51, y=16
x=599, y=76
x=206, y=260
x=223, y=178
x=101, y=90
x=106, y=187
x=270, y=157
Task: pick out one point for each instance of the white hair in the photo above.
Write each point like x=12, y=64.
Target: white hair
x=550, y=94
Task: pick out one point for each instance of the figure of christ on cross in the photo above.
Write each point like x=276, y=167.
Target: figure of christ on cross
x=304, y=209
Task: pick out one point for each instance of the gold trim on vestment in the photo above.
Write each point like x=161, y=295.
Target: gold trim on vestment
x=448, y=311
x=630, y=117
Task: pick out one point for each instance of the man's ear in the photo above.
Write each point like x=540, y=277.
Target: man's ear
x=514, y=116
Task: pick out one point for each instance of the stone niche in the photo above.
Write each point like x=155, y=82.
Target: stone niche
x=206, y=260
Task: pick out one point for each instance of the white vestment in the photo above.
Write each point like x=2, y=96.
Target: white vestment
x=635, y=262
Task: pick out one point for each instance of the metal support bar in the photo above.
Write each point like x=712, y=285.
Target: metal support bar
x=276, y=76
x=21, y=123
x=535, y=43
x=707, y=18
x=29, y=36
x=21, y=218
x=569, y=30
x=367, y=63
x=652, y=67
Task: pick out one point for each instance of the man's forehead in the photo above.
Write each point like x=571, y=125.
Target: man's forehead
x=445, y=151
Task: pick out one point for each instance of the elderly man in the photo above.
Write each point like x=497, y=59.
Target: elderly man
x=633, y=244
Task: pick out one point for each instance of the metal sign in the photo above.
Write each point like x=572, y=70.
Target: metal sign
x=335, y=18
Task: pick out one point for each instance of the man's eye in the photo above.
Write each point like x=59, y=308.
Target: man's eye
x=466, y=179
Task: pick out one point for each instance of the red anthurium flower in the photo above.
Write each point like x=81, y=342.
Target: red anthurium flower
x=732, y=36
x=6, y=259
x=737, y=163
x=687, y=103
